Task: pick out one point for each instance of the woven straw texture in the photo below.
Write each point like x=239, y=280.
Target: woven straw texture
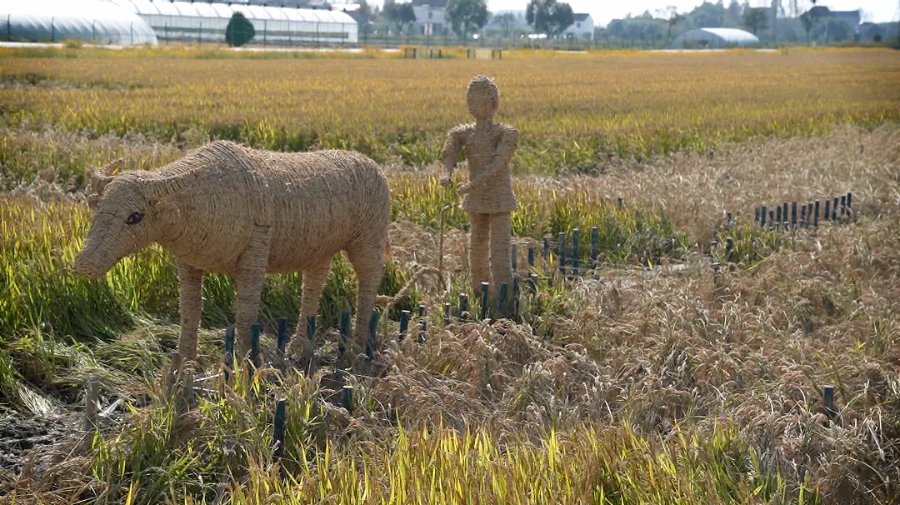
x=489, y=199
x=230, y=209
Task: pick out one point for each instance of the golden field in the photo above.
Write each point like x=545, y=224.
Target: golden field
x=651, y=379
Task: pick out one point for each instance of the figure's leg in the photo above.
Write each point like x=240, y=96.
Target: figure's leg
x=251, y=275
x=313, y=284
x=501, y=267
x=479, y=243
x=190, y=306
x=368, y=262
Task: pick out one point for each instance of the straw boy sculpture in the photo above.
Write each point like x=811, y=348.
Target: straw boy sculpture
x=230, y=209
x=489, y=196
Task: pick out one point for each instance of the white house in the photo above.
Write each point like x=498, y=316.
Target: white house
x=430, y=18
x=582, y=28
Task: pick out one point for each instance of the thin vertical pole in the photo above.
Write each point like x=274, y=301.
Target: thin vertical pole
x=530, y=258
x=816, y=214
x=827, y=214
x=484, y=300
x=834, y=210
x=371, y=341
x=793, y=214
x=254, y=344
x=784, y=215
x=447, y=314
x=762, y=216
x=561, y=251
x=282, y=339
x=278, y=431
x=576, y=236
x=404, y=325
x=311, y=327
x=463, y=306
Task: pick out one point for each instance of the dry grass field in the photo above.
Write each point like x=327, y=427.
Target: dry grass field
x=650, y=379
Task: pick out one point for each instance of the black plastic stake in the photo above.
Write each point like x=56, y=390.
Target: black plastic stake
x=447, y=314
x=373, y=329
x=530, y=258
x=576, y=236
x=404, y=325
x=816, y=213
x=484, y=300
x=834, y=211
x=777, y=222
x=347, y=397
x=278, y=435
x=561, y=252
x=827, y=215
x=762, y=216
x=784, y=215
x=423, y=328
x=463, y=306
x=828, y=395
x=793, y=214
x=281, y=340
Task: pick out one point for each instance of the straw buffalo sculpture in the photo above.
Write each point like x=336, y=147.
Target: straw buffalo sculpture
x=233, y=210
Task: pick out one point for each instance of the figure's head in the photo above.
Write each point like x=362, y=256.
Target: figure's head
x=483, y=97
x=128, y=215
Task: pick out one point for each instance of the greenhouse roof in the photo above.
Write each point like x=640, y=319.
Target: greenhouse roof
x=89, y=20
x=218, y=10
x=733, y=35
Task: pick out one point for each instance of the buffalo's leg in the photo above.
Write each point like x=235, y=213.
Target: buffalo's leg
x=251, y=275
x=190, y=306
x=368, y=262
x=313, y=284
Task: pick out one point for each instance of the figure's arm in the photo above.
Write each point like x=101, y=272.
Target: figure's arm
x=505, y=149
x=450, y=154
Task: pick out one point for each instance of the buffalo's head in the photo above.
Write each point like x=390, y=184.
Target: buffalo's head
x=129, y=213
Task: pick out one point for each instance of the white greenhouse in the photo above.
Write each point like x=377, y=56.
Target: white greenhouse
x=202, y=22
x=715, y=38
x=93, y=21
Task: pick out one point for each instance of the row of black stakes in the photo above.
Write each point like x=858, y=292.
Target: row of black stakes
x=806, y=215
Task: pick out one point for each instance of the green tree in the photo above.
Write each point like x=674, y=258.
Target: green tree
x=239, y=30
x=549, y=16
x=466, y=16
x=399, y=14
x=755, y=19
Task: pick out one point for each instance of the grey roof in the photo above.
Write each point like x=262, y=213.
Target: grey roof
x=581, y=16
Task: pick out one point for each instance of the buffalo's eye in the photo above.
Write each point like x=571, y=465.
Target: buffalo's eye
x=135, y=218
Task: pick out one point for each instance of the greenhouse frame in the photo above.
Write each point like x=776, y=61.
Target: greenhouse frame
x=203, y=23
x=93, y=21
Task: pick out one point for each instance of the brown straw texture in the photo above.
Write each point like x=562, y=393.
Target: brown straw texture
x=233, y=210
x=489, y=197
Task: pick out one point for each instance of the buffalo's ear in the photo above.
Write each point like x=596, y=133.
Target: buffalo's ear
x=165, y=210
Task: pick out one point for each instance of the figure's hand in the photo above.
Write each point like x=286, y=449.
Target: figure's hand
x=446, y=181
x=465, y=188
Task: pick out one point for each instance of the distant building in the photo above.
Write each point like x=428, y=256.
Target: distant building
x=715, y=38
x=582, y=28
x=821, y=12
x=430, y=18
